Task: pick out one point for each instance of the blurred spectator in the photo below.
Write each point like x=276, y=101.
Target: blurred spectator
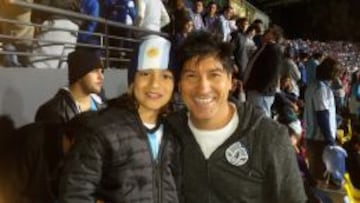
x=212, y=20
x=90, y=8
x=186, y=28
x=320, y=115
x=262, y=74
x=197, y=15
x=58, y=35
x=85, y=82
x=179, y=13
x=225, y=18
x=238, y=42
x=18, y=30
x=250, y=44
x=151, y=15
x=290, y=68
x=354, y=101
x=258, y=23
x=121, y=11
x=311, y=66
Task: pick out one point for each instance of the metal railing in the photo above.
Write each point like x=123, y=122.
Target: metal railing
x=104, y=37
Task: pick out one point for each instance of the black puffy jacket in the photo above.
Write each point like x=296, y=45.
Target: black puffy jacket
x=61, y=108
x=111, y=160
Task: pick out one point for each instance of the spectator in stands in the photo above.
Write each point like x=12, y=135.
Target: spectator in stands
x=225, y=18
x=250, y=44
x=121, y=11
x=180, y=13
x=187, y=27
x=90, y=8
x=303, y=58
x=354, y=100
x=238, y=42
x=258, y=23
x=125, y=153
x=290, y=68
x=56, y=39
x=311, y=66
x=212, y=20
x=85, y=82
x=23, y=33
x=320, y=115
x=151, y=15
x=262, y=73
x=197, y=15
x=231, y=152
x=242, y=24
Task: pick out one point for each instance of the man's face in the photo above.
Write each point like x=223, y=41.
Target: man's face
x=213, y=9
x=188, y=27
x=92, y=82
x=204, y=87
x=153, y=89
x=199, y=7
x=229, y=13
x=244, y=25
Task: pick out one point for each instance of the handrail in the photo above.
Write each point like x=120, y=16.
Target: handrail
x=81, y=16
x=68, y=43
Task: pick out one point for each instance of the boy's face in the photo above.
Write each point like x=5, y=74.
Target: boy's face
x=153, y=89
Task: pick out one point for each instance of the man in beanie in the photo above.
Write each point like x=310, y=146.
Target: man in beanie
x=85, y=74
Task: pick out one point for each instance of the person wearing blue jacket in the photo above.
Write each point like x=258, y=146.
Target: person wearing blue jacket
x=90, y=8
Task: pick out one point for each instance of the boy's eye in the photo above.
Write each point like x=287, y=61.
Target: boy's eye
x=144, y=73
x=168, y=76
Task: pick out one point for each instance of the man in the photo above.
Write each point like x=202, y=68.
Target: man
x=211, y=19
x=262, y=74
x=85, y=82
x=320, y=115
x=230, y=152
x=225, y=23
x=151, y=15
x=238, y=41
x=197, y=15
x=50, y=40
x=22, y=32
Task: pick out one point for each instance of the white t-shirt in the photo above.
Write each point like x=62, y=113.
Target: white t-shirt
x=210, y=140
x=319, y=97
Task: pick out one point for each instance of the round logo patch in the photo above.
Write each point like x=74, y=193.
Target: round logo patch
x=236, y=154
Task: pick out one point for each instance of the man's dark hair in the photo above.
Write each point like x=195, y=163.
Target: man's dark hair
x=327, y=69
x=202, y=44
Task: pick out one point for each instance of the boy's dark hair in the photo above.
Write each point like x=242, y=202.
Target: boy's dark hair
x=203, y=44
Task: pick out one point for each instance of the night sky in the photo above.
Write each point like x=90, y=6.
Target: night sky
x=317, y=19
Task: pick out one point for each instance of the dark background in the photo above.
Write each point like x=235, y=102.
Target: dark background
x=323, y=20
